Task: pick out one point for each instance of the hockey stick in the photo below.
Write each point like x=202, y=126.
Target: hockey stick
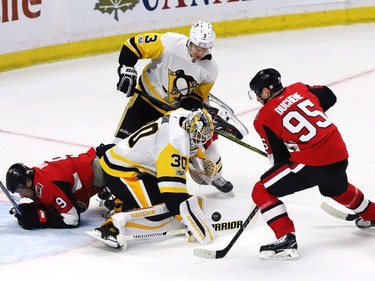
x=337, y=213
x=141, y=236
x=244, y=144
x=218, y=254
x=11, y=198
x=168, y=107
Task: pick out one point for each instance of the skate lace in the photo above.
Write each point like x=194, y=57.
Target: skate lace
x=219, y=181
x=280, y=240
x=363, y=223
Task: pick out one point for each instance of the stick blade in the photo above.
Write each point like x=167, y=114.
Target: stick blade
x=206, y=254
x=337, y=213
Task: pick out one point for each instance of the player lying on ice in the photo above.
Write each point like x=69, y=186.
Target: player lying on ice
x=306, y=150
x=55, y=193
x=148, y=169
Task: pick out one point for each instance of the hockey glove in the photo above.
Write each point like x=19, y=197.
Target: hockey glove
x=202, y=170
x=127, y=80
x=31, y=217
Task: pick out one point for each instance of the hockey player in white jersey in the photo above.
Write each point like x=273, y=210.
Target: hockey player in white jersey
x=181, y=73
x=148, y=169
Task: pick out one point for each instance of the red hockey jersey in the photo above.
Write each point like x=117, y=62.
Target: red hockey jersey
x=66, y=185
x=296, y=120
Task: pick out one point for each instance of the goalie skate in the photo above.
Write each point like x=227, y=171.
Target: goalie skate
x=109, y=236
x=222, y=185
x=284, y=248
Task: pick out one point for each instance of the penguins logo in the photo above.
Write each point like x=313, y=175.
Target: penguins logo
x=180, y=85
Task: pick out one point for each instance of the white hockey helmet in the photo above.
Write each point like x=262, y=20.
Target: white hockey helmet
x=199, y=126
x=202, y=34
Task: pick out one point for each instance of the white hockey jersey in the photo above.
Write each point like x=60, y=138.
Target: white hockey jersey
x=160, y=148
x=172, y=73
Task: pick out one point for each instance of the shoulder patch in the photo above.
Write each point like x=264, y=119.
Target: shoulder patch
x=38, y=190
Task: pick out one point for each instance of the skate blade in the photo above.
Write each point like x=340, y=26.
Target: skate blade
x=370, y=230
x=119, y=244
x=288, y=254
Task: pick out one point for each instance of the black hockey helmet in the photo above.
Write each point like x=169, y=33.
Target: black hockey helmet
x=267, y=78
x=17, y=175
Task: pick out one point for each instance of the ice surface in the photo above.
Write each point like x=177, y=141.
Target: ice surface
x=66, y=107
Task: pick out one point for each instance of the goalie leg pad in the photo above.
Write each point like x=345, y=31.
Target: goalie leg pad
x=196, y=221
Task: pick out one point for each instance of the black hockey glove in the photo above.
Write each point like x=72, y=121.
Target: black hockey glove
x=102, y=148
x=127, y=80
x=31, y=217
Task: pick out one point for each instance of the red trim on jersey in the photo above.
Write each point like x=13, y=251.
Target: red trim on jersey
x=42, y=216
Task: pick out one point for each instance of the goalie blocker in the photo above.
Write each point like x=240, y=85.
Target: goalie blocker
x=196, y=221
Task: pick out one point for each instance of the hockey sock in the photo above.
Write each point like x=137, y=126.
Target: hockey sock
x=354, y=199
x=273, y=211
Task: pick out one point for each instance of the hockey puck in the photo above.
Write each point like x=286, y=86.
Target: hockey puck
x=216, y=216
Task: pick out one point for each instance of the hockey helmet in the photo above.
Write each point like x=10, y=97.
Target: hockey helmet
x=202, y=34
x=17, y=175
x=267, y=78
x=199, y=126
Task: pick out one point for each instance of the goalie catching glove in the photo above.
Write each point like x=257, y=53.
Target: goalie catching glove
x=127, y=80
x=202, y=170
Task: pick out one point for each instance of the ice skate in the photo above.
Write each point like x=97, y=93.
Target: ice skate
x=109, y=235
x=284, y=248
x=222, y=185
x=368, y=226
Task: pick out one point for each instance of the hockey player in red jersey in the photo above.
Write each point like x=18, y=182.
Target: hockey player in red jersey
x=181, y=73
x=306, y=149
x=55, y=193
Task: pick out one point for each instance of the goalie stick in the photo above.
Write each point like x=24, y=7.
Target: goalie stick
x=337, y=213
x=140, y=236
x=11, y=198
x=218, y=254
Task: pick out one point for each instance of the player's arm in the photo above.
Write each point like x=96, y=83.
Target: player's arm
x=274, y=146
x=142, y=46
x=171, y=167
x=59, y=211
x=62, y=214
x=196, y=99
x=325, y=96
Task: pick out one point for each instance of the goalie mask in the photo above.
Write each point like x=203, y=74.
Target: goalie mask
x=17, y=175
x=199, y=126
x=202, y=35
